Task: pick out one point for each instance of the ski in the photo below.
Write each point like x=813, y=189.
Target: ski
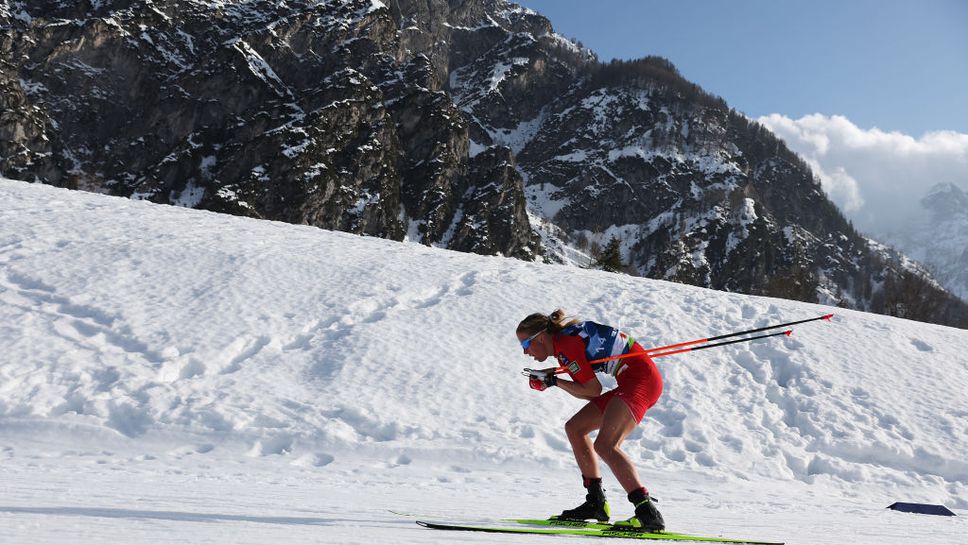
x=609, y=532
x=561, y=523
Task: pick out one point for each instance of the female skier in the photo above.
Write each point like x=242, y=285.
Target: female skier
x=614, y=413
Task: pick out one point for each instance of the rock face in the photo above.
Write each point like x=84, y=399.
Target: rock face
x=328, y=113
x=469, y=125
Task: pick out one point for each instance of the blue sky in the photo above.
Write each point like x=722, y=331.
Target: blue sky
x=898, y=65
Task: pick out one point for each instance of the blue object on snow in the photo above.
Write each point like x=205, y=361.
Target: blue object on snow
x=922, y=508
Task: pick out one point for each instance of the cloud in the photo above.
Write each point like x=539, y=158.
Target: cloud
x=877, y=178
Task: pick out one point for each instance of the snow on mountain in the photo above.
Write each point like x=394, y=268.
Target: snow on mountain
x=171, y=375
x=939, y=237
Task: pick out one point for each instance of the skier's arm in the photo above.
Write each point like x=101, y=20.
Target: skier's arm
x=590, y=389
x=571, y=355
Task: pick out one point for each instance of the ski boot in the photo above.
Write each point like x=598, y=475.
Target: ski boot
x=647, y=518
x=595, y=506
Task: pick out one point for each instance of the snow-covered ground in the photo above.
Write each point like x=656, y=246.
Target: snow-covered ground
x=176, y=376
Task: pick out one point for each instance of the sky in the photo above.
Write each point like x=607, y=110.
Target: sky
x=883, y=83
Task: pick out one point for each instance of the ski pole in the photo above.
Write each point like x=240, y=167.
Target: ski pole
x=693, y=349
x=827, y=317
x=658, y=351
x=560, y=370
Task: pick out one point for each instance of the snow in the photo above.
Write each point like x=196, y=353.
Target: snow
x=519, y=137
x=467, y=94
x=15, y=10
x=542, y=203
x=604, y=107
x=544, y=200
x=375, y=5
x=501, y=70
x=485, y=24
x=413, y=229
x=171, y=375
x=745, y=216
x=475, y=149
x=189, y=197
x=33, y=88
x=577, y=156
x=207, y=165
x=262, y=70
x=85, y=68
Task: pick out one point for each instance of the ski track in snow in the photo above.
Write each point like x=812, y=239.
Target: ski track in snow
x=172, y=376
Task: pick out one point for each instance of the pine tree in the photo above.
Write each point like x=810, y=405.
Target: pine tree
x=611, y=257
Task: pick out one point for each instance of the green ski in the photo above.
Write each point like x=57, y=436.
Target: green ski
x=561, y=523
x=584, y=531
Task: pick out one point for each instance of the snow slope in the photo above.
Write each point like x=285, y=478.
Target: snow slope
x=174, y=376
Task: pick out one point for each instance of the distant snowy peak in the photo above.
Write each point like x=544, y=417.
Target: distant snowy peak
x=939, y=239
x=945, y=201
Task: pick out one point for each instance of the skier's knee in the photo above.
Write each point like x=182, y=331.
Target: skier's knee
x=575, y=428
x=606, y=449
x=572, y=429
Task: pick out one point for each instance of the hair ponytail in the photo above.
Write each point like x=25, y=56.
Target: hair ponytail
x=559, y=320
x=552, y=323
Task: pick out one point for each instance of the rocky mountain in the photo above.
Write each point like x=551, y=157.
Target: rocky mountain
x=303, y=111
x=465, y=124
x=939, y=239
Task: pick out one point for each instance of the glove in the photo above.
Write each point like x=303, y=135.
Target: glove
x=540, y=381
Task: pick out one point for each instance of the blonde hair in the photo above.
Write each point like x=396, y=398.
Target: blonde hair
x=553, y=323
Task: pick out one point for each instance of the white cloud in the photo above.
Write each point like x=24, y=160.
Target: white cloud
x=877, y=178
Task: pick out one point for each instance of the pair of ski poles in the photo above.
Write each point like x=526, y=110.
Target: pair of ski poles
x=690, y=346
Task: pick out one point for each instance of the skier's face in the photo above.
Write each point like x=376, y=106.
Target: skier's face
x=537, y=346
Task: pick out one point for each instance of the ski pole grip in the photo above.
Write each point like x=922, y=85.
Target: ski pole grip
x=528, y=372
x=534, y=373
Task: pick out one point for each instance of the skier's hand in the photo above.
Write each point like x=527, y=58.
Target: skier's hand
x=541, y=380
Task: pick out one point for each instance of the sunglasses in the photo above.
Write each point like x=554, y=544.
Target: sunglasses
x=527, y=342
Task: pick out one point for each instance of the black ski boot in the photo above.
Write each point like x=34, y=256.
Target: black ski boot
x=595, y=506
x=647, y=518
